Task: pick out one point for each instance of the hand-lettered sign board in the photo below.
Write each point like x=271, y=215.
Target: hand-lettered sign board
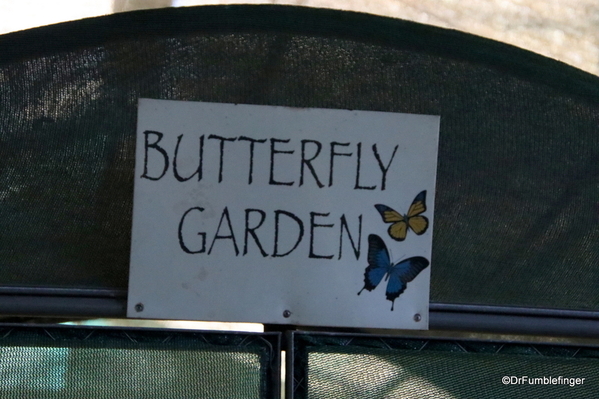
x=248, y=213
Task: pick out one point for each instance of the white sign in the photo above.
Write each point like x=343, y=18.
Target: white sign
x=247, y=213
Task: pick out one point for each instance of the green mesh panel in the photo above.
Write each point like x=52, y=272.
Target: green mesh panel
x=517, y=205
x=109, y=363
x=370, y=367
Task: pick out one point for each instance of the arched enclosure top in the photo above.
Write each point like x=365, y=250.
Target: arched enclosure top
x=517, y=200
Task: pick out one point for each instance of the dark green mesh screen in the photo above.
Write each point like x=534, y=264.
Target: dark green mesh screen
x=340, y=367
x=517, y=205
x=109, y=363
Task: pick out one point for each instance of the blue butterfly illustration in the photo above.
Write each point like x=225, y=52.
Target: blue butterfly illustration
x=398, y=275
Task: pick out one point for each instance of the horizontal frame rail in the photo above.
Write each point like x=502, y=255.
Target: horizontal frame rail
x=106, y=303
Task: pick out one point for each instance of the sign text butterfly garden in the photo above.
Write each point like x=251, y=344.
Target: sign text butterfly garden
x=265, y=214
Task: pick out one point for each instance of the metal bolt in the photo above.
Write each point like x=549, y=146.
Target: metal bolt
x=287, y=313
x=417, y=317
x=139, y=307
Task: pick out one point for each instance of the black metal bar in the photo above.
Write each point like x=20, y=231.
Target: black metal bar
x=104, y=303
x=506, y=320
x=513, y=310
x=62, y=306
x=289, y=364
x=51, y=291
x=276, y=364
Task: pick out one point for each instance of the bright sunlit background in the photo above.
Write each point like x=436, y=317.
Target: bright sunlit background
x=566, y=30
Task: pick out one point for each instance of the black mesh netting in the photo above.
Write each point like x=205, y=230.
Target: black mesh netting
x=517, y=202
x=108, y=363
x=371, y=367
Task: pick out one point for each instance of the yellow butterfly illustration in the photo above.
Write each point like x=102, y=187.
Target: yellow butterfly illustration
x=400, y=223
